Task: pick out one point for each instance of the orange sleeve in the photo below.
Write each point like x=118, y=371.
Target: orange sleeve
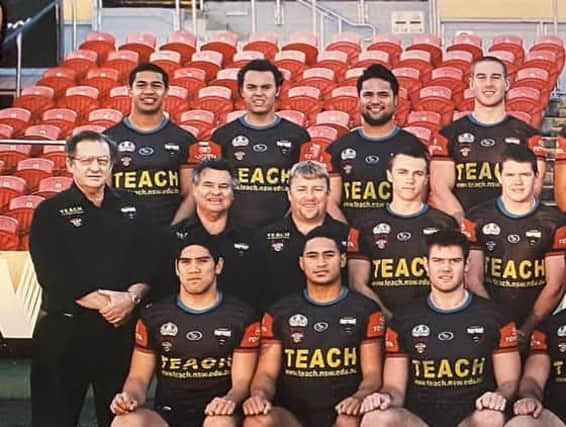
x=469, y=229
x=353, y=241
x=535, y=144
x=508, y=338
x=376, y=325
x=203, y=150
x=560, y=153
x=267, y=328
x=538, y=342
x=251, y=338
x=559, y=243
x=439, y=147
x=316, y=152
x=141, y=335
x=391, y=342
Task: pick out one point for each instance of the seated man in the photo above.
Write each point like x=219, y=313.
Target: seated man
x=451, y=360
x=321, y=348
x=202, y=345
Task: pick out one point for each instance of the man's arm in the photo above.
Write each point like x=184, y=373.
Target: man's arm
x=335, y=199
x=475, y=274
x=121, y=303
x=265, y=379
x=187, y=206
x=539, y=183
x=358, y=276
x=531, y=388
x=442, y=182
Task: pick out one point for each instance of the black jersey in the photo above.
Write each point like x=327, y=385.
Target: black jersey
x=361, y=162
x=550, y=338
x=261, y=158
x=514, y=251
x=476, y=150
x=277, y=249
x=149, y=163
x=449, y=356
x=320, y=364
x=194, y=349
x=395, y=247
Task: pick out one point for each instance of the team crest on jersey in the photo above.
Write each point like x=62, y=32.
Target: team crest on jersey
x=194, y=335
x=466, y=138
x=167, y=346
x=240, y=141
x=420, y=331
x=487, y=142
x=241, y=247
x=222, y=335
x=284, y=146
x=513, y=238
x=475, y=332
x=403, y=236
x=491, y=229
x=372, y=160
x=298, y=323
x=260, y=148
x=561, y=331
x=172, y=147
x=129, y=211
x=465, y=151
x=382, y=228
x=169, y=329
x=490, y=245
x=126, y=161
x=239, y=154
x=427, y=231
x=126, y=147
x=347, y=168
x=420, y=347
x=76, y=221
x=348, y=323
x=512, y=140
x=381, y=234
x=533, y=236
x=277, y=245
x=348, y=154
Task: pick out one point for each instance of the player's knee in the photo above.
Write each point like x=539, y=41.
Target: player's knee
x=219, y=422
x=133, y=419
x=387, y=418
x=522, y=421
x=259, y=421
x=487, y=418
x=347, y=421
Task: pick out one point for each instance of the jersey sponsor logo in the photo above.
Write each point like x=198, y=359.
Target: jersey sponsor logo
x=222, y=335
x=320, y=326
x=193, y=367
x=470, y=369
x=403, y=236
x=533, y=236
x=523, y=270
x=427, y=231
x=182, y=235
x=370, y=192
x=491, y=229
x=561, y=332
x=446, y=336
x=170, y=146
x=382, y=228
x=490, y=245
x=512, y=140
x=475, y=332
x=348, y=154
x=240, y=141
x=298, y=320
x=284, y=146
x=75, y=210
x=241, y=247
x=399, y=268
x=332, y=358
x=372, y=160
x=194, y=335
x=420, y=331
x=482, y=172
x=146, y=151
x=487, y=142
x=129, y=211
x=163, y=181
x=348, y=323
x=263, y=176
x=77, y=222
x=126, y=147
x=466, y=138
x=260, y=148
x=513, y=238
x=168, y=329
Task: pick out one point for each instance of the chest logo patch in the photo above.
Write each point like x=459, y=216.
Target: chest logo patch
x=382, y=228
x=168, y=329
x=487, y=142
x=466, y=138
x=446, y=336
x=429, y=230
x=403, y=236
x=513, y=238
x=77, y=222
x=240, y=141
x=561, y=331
x=491, y=229
x=126, y=147
x=420, y=331
x=512, y=140
x=146, y=151
x=171, y=146
x=372, y=160
x=533, y=236
x=260, y=148
x=320, y=326
x=348, y=154
x=194, y=335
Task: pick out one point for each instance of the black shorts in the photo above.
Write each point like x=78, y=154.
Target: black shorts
x=445, y=416
x=316, y=417
x=181, y=417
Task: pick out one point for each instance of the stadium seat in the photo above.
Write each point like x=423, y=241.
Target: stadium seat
x=421, y=132
x=321, y=78
x=182, y=42
x=525, y=99
x=118, y=99
x=550, y=43
x=9, y=240
x=403, y=107
x=457, y=115
x=427, y=119
x=43, y=131
x=104, y=117
x=343, y=98
x=459, y=59
x=521, y=115
x=409, y=78
x=6, y=132
x=233, y=115
x=369, y=57
x=294, y=116
x=80, y=61
x=546, y=60
x=536, y=78
x=292, y=60
x=122, y=60
x=466, y=42
x=349, y=43
x=351, y=76
x=305, y=99
x=21, y=209
x=104, y=79
x=34, y=170
x=202, y=120
x=321, y=134
x=35, y=99
x=209, y=61
x=191, y=129
x=10, y=187
x=48, y=187
x=59, y=79
x=338, y=120
x=467, y=102
x=16, y=118
x=176, y=101
x=449, y=77
x=57, y=154
x=223, y=42
x=169, y=60
x=266, y=43
x=99, y=42
x=418, y=59
x=511, y=43
x=334, y=60
x=192, y=79
x=11, y=154
x=428, y=43
x=388, y=43
x=82, y=99
x=227, y=77
x=243, y=57
x=89, y=127
x=508, y=58
x=217, y=99
x=303, y=42
x=142, y=43
x=438, y=99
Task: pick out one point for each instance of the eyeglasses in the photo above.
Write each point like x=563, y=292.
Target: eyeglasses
x=103, y=161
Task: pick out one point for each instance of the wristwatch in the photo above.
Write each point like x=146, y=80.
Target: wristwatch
x=136, y=299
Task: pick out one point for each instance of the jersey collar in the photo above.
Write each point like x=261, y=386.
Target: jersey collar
x=422, y=211
x=274, y=123
x=462, y=307
x=343, y=294
x=190, y=310
x=128, y=123
x=77, y=195
x=504, y=211
x=475, y=121
x=393, y=134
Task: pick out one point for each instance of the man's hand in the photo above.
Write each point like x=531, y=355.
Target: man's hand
x=93, y=301
x=119, y=306
x=528, y=406
x=256, y=405
x=349, y=406
x=220, y=406
x=381, y=401
x=491, y=400
x=123, y=403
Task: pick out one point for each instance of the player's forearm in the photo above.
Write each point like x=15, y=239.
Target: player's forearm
x=444, y=199
x=547, y=301
x=93, y=301
x=370, y=384
x=508, y=389
x=136, y=388
x=397, y=397
x=237, y=394
x=333, y=209
x=185, y=209
x=530, y=388
x=476, y=286
x=263, y=386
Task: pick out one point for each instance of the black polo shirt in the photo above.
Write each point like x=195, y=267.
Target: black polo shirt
x=77, y=247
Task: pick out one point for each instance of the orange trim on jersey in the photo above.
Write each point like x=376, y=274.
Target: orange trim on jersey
x=559, y=243
x=358, y=256
x=251, y=337
x=560, y=152
x=203, y=150
x=538, y=342
x=267, y=327
x=438, y=149
x=391, y=341
x=469, y=229
x=353, y=241
x=508, y=337
x=535, y=144
x=142, y=339
x=144, y=350
x=376, y=325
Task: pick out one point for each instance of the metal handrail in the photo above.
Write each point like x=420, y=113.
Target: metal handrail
x=31, y=21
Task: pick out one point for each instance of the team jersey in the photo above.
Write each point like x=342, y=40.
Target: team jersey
x=320, y=363
x=194, y=349
x=514, y=249
x=261, y=158
x=550, y=338
x=361, y=162
x=148, y=163
x=449, y=355
x=476, y=150
x=395, y=247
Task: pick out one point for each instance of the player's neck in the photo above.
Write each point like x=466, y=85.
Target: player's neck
x=324, y=294
x=489, y=115
x=518, y=208
x=213, y=222
x=94, y=195
x=260, y=120
x=304, y=225
x=146, y=121
x=379, y=131
x=449, y=300
x=200, y=302
x=405, y=207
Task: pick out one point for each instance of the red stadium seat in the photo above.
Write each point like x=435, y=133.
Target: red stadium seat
x=525, y=99
x=9, y=240
x=466, y=42
x=104, y=117
x=21, y=209
x=192, y=79
x=436, y=98
x=409, y=78
x=349, y=43
x=234, y=115
x=322, y=134
x=334, y=60
x=521, y=115
x=459, y=114
x=343, y=98
x=550, y=43
x=449, y=77
x=303, y=42
x=321, y=78
x=210, y=61
x=403, y=107
x=227, y=77
x=104, y=79
x=10, y=187
x=6, y=132
x=388, y=43
x=467, y=102
x=508, y=58
x=351, y=76
x=217, y=99
x=223, y=42
x=294, y=116
x=418, y=59
x=176, y=101
x=546, y=60
x=266, y=43
x=292, y=60
x=48, y=187
x=82, y=99
x=243, y=57
x=35, y=99
x=183, y=43
x=93, y=128
x=99, y=42
x=305, y=99
x=16, y=118
x=169, y=60
x=202, y=120
x=536, y=78
x=338, y=120
x=118, y=99
x=80, y=61
x=34, y=170
x=59, y=79
x=191, y=129
x=64, y=118
x=459, y=59
x=122, y=60
x=421, y=132
x=57, y=154
x=429, y=43
x=427, y=119
x=11, y=154
x=142, y=43
x=367, y=58
x=47, y=132
x=511, y=43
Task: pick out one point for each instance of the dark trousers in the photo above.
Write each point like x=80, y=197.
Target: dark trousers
x=69, y=355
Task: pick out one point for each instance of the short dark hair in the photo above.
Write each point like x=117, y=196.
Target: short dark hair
x=325, y=233
x=444, y=238
x=521, y=154
x=199, y=238
x=412, y=148
x=216, y=164
x=489, y=58
x=148, y=66
x=378, y=71
x=90, y=135
x=260, y=65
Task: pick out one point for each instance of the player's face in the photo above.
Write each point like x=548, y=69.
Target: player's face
x=214, y=192
x=259, y=92
x=308, y=197
x=148, y=92
x=377, y=102
x=517, y=181
x=488, y=83
x=408, y=176
x=196, y=270
x=90, y=164
x=322, y=261
x=446, y=267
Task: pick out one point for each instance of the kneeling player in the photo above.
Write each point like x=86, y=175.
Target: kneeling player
x=202, y=345
x=451, y=361
x=544, y=366
x=321, y=349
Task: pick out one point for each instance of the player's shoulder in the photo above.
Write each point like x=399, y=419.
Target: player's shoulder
x=483, y=210
x=116, y=130
x=155, y=311
x=404, y=137
x=414, y=310
x=519, y=127
x=463, y=124
x=350, y=138
x=441, y=218
x=292, y=129
x=227, y=130
x=287, y=305
x=487, y=310
x=369, y=219
x=361, y=302
x=551, y=214
x=174, y=130
x=237, y=309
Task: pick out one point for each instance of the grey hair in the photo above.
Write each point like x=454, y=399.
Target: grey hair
x=310, y=169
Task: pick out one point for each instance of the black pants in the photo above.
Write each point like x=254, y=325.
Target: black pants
x=69, y=355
